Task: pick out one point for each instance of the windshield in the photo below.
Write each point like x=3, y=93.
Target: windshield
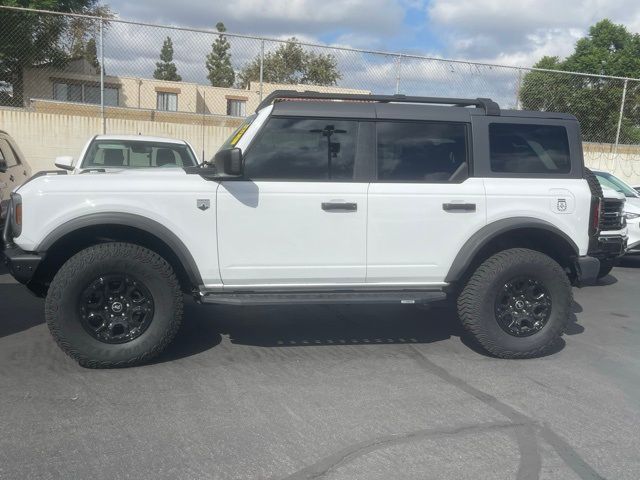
x=235, y=137
x=613, y=182
x=137, y=154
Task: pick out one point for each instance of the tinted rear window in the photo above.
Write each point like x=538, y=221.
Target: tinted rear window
x=420, y=151
x=520, y=148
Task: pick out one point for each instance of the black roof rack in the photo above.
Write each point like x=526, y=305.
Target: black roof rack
x=490, y=107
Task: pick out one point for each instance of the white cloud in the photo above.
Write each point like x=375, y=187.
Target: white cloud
x=520, y=32
x=272, y=17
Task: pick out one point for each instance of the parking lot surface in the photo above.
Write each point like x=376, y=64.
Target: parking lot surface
x=335, y=392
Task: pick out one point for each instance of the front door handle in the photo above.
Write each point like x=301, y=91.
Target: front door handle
x=459, y=207
x=340, y=206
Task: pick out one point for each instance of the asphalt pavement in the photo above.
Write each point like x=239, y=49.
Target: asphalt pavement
x=331, y=392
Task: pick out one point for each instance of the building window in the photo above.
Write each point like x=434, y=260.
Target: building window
x=84, y=93
x=236, y=108
x=167, y=101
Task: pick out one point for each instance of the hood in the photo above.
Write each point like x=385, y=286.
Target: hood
x=632, y=205
x=145, y=171
x=112, y=181
x=611, y=193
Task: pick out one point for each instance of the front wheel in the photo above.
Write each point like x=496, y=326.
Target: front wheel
x=114, y=305
x=517, y=303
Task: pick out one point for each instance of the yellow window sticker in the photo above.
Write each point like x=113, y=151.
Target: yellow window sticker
x=236, y=138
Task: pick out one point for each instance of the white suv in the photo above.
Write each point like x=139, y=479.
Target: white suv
x=118, y=152
x=14, y=170
x=336, y=198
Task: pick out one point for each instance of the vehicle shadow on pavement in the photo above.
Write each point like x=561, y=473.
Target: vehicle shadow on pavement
x=19, y=309
x=308, y=325
x=324, y=325
x=199, y=332
x=629, y=261
x=328, y=325
x=295, y=326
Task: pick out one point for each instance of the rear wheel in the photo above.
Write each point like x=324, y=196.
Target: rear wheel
x=516, y=304
x=114, y=305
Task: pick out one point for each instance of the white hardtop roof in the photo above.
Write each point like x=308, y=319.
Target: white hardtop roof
x=140, y=138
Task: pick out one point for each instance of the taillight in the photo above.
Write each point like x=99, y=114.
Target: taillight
x=596, y=208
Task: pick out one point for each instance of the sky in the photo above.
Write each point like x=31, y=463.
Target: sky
x=505, y=32
x=513, y=32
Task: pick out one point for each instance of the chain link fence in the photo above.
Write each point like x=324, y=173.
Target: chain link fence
x=88, y=75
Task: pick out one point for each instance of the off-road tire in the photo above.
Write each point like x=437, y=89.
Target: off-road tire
x=605, y=267
x=63, y=316
x=477, y=300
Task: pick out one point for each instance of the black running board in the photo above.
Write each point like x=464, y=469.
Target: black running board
x=252, y=298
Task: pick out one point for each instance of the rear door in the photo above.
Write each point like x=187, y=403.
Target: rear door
x=299, y=215
x=423, y=206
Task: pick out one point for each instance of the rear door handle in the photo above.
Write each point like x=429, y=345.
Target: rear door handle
x=340, y=206
x=459, y=207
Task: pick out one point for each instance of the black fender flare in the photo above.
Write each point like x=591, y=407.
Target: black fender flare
x=492, y=230
x=128, y=220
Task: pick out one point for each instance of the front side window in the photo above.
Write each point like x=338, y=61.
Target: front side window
x=137, y=154
x=524, y=149
x=420, y=151
x=304, y=149
x=167, y=101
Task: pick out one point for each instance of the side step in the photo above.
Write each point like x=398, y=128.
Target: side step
x=252, y=298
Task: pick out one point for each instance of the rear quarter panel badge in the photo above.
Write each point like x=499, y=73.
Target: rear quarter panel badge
x=203, y=203
x=561, y=201
x=562, y=204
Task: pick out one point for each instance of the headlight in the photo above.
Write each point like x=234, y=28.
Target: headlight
x=631, y=216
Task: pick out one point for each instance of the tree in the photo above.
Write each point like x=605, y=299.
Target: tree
x=91, y=54
x=221, y=73
x=81, y=30
x=291, y=64
x=608, y=49
x=165, y=68
x=31, y=39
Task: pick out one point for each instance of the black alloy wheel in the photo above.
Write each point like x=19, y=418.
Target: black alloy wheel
x=116, y=308
x=523, y=306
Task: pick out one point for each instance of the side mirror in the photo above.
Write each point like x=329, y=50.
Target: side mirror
x=3, y=166
x=65, y=163
x=229, y=163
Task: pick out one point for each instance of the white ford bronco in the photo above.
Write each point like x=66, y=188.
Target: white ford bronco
x=325, y=198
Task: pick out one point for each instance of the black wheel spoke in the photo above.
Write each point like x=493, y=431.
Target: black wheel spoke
x=116, y=308
x=522, y=306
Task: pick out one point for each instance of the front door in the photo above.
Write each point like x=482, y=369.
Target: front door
x=423, y=206
x=299, y=215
